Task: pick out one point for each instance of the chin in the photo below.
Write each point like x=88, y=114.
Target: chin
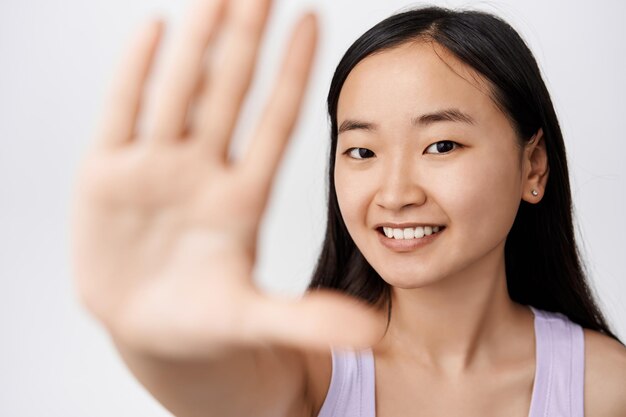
x=410, y=280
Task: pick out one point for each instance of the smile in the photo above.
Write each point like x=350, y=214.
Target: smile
x=408, y=239
x=410, y=232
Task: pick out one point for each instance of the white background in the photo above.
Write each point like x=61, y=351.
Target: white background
x=55, y=60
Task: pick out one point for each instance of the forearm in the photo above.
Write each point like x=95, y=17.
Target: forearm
x=245, y=382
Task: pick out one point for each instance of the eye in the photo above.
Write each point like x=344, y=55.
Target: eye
x=359, y=153
x=441, y=147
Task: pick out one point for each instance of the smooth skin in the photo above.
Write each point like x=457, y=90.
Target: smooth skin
x=457, y=344
x=453, y=324
x=165, y=230
x=165, y=226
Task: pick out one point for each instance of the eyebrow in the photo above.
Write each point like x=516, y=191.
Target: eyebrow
x=447, y=115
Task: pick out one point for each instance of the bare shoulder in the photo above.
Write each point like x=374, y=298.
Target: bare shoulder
x=318, y=366
x=605, y=376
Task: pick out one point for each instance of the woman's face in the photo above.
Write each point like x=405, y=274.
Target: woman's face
x=422, y=145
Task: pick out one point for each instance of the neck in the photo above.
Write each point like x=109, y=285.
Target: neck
x=458, y=323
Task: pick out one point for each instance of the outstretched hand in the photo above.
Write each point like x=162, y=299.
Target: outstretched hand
x=165, y=226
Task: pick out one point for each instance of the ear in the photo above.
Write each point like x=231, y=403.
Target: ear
x=535, y=168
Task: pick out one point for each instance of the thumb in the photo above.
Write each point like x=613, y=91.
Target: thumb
x=317, y=320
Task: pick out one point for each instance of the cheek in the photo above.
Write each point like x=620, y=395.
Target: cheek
x=483, y=197
x=354, y=191
x=347, y=197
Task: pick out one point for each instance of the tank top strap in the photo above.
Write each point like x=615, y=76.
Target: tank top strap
x=352, y=389
x=558, y=390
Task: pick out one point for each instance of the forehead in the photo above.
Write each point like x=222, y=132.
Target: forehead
x=413, y=78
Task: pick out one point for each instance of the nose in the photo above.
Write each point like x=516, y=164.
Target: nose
x=399, y=187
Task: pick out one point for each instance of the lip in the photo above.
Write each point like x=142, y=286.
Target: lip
x=404, y=225
x=407, y=245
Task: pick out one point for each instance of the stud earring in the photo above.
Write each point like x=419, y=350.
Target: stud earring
x=535, y=193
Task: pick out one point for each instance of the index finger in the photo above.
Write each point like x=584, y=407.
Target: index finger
x=281, y=113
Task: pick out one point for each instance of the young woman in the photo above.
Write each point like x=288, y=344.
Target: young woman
x=449, y=267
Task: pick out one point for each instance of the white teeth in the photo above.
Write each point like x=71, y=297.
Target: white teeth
x=410, y=232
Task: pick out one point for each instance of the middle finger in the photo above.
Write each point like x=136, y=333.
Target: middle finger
x=183, y=70
x=218, y=107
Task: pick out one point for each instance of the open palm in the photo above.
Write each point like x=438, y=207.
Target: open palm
x=165, y=225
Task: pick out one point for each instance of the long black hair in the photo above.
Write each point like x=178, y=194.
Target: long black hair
x=543, y=264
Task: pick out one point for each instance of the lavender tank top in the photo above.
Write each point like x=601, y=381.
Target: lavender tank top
x=557, y=390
